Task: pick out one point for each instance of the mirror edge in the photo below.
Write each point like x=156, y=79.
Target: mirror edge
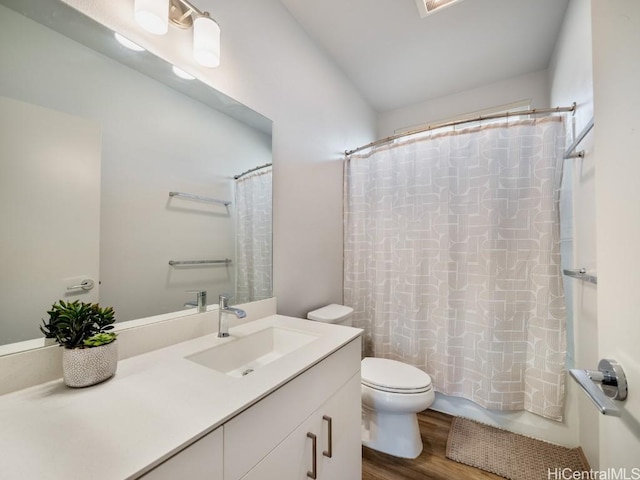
x=74, y=24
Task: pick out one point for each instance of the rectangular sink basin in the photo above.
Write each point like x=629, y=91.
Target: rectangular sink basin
x=244, y=355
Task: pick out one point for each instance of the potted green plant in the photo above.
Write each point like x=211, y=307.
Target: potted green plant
x=90, y=353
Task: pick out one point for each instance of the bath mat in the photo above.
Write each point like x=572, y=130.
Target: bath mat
x=510, y=455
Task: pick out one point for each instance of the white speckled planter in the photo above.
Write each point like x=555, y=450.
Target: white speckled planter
x=82, y=367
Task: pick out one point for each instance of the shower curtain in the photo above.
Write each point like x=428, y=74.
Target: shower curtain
x=253, y=236
x=452, y=261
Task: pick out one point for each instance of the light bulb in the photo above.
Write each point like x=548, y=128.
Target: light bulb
x=125, y=42
x=181, y=73
x=152, y=15
x=206, y=41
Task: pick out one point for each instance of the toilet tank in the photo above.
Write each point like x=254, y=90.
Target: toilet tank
x=334, y=313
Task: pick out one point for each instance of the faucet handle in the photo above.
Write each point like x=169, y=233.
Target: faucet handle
x=199, y=293
x=201, y=299
x=223, y=300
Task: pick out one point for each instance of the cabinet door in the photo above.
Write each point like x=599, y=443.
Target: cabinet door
x=293, y=459
x=344, y=412
x=250, y=436
x=200, y=461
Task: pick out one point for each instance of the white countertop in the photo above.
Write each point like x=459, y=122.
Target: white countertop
x=155, y=405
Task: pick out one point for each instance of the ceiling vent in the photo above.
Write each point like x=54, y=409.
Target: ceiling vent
x=427, y=7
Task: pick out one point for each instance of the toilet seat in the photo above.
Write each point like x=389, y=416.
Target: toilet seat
x=394, y=377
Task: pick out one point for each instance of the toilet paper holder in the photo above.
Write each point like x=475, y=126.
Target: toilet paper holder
x=613, y=385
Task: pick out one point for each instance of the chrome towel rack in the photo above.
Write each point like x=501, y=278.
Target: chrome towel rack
x=191, y=196
x=174, y=263
x=581, y=274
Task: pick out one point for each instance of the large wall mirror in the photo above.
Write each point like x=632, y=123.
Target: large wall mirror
x=93, y=138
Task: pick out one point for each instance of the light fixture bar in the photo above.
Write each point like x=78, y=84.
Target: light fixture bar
x=155, y=16
x=190, y=7
x=182, y=13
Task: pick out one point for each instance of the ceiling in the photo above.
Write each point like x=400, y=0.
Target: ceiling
x=395, y=58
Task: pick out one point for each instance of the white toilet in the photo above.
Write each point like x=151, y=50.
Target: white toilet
x=392, y=393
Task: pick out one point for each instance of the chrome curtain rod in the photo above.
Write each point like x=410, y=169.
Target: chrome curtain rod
x=534, y=111
x=236, y=177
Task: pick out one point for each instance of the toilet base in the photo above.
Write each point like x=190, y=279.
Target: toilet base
x=391, y=433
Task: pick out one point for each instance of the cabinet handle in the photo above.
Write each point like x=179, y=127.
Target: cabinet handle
x=314, y=443
x=329, y=453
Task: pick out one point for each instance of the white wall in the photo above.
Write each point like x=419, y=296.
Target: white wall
x=532, y=87
x=571, y=74
x=616, y=63
x=270, y=65
x=39, y=259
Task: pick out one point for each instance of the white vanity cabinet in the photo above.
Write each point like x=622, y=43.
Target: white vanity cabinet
x=274, y=438
x=310, y=451
x=200, y=461
x=173, y=418
x=270, y=440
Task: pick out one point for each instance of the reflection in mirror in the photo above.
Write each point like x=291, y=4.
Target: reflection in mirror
x=90, y=150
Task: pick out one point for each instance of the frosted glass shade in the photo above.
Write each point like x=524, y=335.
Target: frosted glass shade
x=206, y=41
x=152, y=15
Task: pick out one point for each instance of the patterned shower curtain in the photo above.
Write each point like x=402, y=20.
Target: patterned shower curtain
x=452, y=261
x=254, y=236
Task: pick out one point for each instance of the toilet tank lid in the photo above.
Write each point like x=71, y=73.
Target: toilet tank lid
x=333, y=313
x=393, y=374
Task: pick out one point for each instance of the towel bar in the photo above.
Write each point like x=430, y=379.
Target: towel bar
x=191, y=196
x=581, y=274
x=226, y=261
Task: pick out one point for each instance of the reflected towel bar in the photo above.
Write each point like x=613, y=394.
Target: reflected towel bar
x=226, y=261
x=581, y=274
x=191, y=196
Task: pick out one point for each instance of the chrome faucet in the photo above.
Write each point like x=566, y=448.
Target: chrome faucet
x=201, y=300
x=223, y=327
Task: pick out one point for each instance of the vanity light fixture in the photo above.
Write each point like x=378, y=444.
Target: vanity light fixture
x=427, y=7
x=155, y=15
x=206, y=41
x=125, y=42
x=152, y=15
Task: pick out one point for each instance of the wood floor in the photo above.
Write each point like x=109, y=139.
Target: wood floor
x=430, y=465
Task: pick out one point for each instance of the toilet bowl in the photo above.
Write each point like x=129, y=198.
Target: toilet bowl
x=392, y=394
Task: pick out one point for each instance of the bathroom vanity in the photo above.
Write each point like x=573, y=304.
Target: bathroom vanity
x=279, y=399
